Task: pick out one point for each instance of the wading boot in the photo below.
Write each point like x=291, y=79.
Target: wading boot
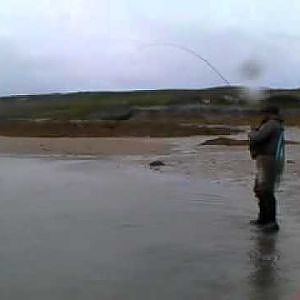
x=270, y=227
x=262, y=216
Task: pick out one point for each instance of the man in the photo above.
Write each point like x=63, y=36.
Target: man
x=266, y=145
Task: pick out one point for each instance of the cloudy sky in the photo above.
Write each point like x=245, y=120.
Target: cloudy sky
x=71, y=45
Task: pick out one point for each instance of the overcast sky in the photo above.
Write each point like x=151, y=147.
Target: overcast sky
x=71, y=45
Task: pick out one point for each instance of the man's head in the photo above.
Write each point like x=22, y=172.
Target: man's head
x=270, y=111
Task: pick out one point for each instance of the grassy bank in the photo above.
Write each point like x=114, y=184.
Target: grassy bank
x=119, y=105
x=131, y=128
x=161, y=113
x=109, y=129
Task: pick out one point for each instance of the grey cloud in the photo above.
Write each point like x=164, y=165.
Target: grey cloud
x=66, y=60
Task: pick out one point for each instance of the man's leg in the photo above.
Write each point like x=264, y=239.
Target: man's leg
x=264, y=191
x=270, y=202
x=271, y=208
x=268, y=191
x=263, y=209
x=262, y=215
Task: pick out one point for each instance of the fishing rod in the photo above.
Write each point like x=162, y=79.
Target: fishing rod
x=195, y=54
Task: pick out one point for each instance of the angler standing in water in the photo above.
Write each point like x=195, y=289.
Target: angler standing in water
x=266, y=145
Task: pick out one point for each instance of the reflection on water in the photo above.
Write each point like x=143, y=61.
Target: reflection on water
x=265, y=259
x=102, y=230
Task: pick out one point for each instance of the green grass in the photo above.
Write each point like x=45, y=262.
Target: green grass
x=83, y=105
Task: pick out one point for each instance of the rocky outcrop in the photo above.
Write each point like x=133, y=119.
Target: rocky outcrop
x=156, y=164
x=224, y=141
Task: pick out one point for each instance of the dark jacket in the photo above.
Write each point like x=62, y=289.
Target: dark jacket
x=264, y=140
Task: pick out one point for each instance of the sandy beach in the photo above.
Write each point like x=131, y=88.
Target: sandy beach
x=83, y=146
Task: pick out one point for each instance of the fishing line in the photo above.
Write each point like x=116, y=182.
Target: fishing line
x=194, y=53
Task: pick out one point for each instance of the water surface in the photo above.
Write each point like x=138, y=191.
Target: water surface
x=95, y=229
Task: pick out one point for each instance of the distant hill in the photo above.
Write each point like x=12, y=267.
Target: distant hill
x=121, y=105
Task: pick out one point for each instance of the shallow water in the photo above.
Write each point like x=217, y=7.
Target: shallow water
x=93, y=229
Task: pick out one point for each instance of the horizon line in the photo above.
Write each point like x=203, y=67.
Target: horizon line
x=142, y=90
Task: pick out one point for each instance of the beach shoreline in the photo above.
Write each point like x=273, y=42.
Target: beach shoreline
x=83, y=146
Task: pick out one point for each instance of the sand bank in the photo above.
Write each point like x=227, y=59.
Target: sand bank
x=83, y=146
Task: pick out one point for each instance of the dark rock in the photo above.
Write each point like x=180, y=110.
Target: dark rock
x=113, y=113
x=221, y=141
x=290, y=161
x=156, y=163
x=292, y=143
x=224, y=141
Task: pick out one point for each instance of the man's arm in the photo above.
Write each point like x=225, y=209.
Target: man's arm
x=260, y=135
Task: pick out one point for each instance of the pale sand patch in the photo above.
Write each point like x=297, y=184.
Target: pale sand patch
x=84, y=146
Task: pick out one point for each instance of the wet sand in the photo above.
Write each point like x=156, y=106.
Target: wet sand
x=113, y=229
x=82, y=146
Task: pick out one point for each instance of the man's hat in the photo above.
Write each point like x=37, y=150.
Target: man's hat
x=272, y=109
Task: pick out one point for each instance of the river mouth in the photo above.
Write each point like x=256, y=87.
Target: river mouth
x=98, y=229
